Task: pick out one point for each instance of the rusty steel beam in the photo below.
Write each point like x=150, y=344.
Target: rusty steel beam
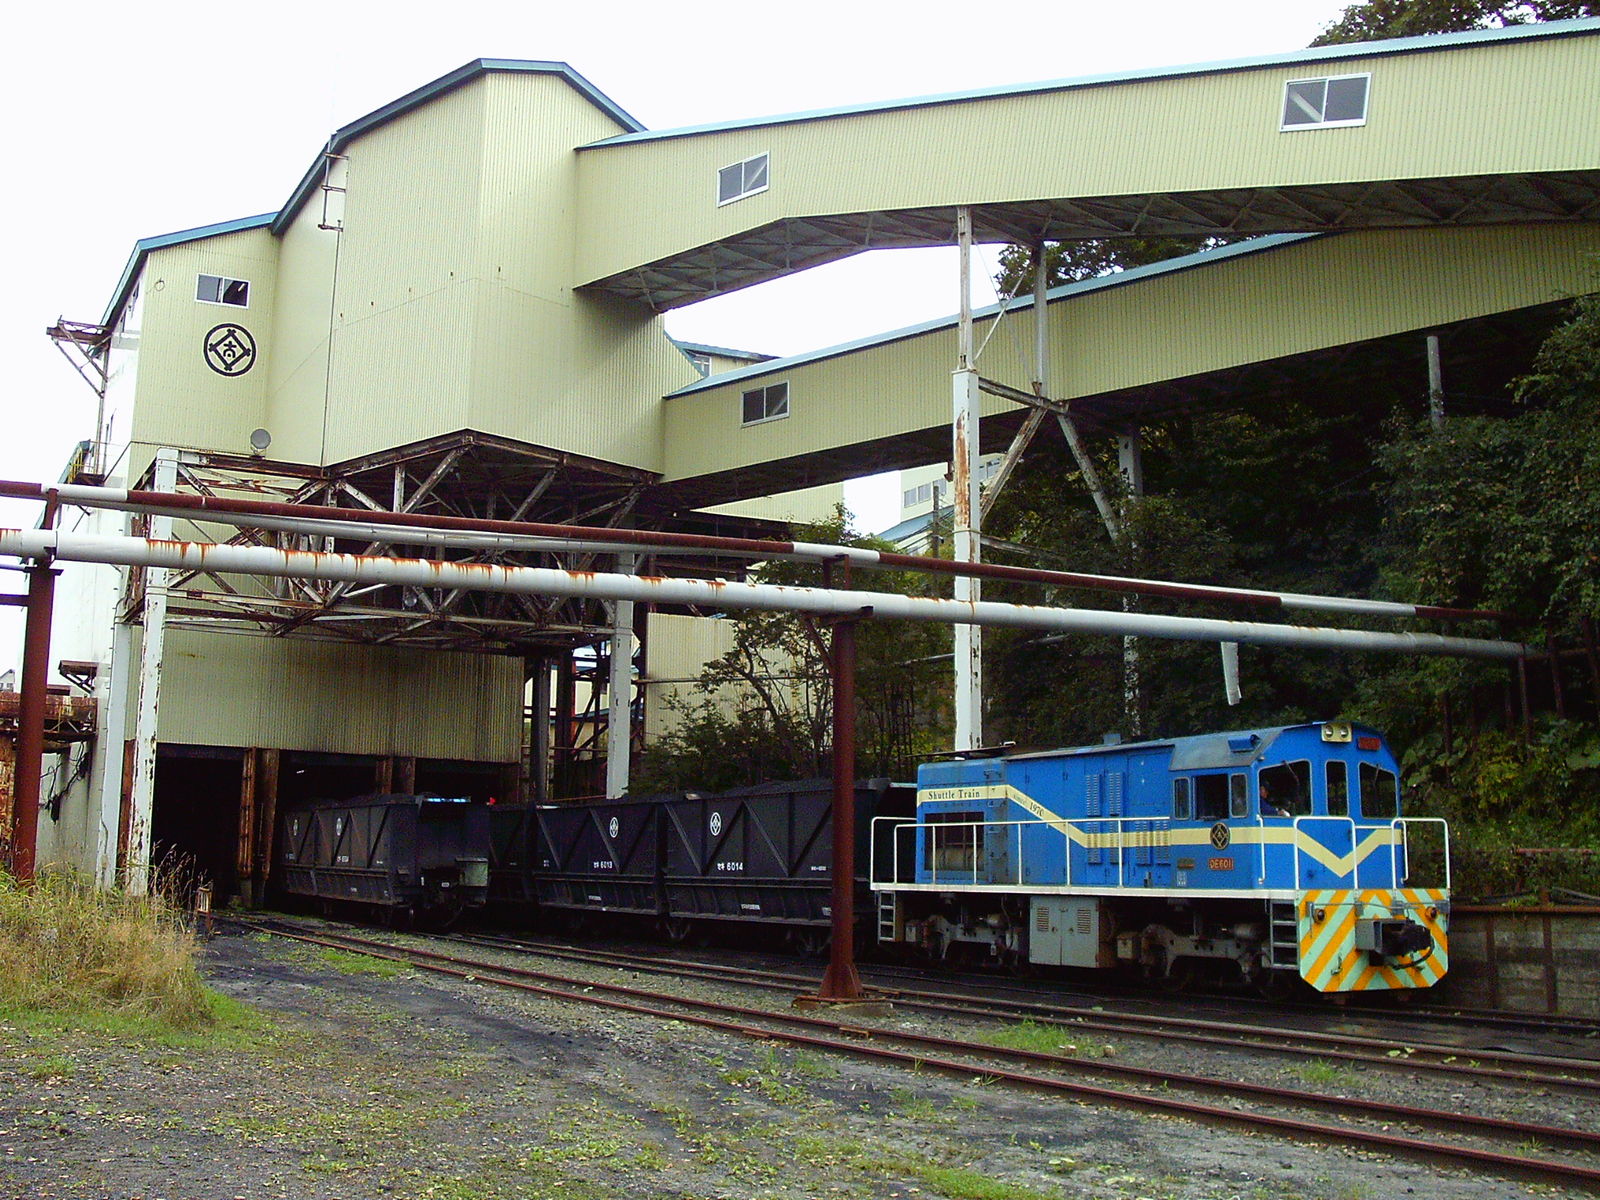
x=841, y=981
x=30, y=721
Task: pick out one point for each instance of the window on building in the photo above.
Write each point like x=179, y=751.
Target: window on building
x=921, y=494
x=1321, y=103
x=1380, y=793
x=765, y=404
x=214, y=289
x=742, y=179
x=701, y=363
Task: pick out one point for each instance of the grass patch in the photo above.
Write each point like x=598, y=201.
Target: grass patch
x=1324, y=1073
x=347, y=962
x=67, y=945
x=1044, y=1038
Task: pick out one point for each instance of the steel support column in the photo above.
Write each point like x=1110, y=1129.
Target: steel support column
x=619, y=718
x=964, y=494
x=150, y=653
x=841, y=982
x=1435, y=384
x=30, y=720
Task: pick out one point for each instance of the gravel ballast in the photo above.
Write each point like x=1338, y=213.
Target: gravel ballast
x=397, y=1083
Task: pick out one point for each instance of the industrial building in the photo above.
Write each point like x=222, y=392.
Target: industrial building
x=458, y=310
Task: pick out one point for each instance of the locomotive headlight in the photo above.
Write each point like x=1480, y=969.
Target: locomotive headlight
x=1432, y=913
x=1320, y=915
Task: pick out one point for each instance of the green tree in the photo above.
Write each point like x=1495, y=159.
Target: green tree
x=764, y=710
x=1071, y=262
x=1377, y=19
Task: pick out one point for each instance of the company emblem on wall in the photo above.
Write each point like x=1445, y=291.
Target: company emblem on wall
x=230, y=350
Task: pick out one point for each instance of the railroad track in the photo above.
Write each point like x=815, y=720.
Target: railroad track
x=1477, y=1142
x=1407, y=1054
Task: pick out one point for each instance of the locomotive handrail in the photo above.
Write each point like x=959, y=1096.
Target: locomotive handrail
x=1123, y=826
x=1399, y=825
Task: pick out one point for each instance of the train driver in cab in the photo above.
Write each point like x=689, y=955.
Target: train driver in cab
x=1271, y=807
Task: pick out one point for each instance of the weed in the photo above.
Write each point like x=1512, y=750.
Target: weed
x=1325, y=1074
x=66, y=945
x=1043, y=1038
x=54, y=1066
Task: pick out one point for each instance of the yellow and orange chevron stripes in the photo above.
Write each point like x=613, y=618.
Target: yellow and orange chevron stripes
x=1329, y=960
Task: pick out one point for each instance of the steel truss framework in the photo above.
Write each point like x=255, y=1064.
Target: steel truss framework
x=465, y=474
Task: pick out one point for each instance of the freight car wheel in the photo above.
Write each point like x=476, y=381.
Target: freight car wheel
x=677, y=929
x=813, y=943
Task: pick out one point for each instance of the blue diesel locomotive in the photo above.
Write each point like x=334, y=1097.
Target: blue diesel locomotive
x=1262, y=855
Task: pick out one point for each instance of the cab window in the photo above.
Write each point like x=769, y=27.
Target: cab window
x=1285, y=790
x=1182, y=805
x=1380, y=793
x=1338, y=780
x=1211, y=797
x=1238, y=796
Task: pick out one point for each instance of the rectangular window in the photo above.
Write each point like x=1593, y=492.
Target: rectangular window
x=1182, y=808
x=1325, y=103
x=1211, y=797
x=1338, y=776
x=742, y=179
x=1285, y=790
x=214, y=289
x=701, y=363
x=1238, y=797
x=765, y=404
x=954, y=841
x=1380, y=793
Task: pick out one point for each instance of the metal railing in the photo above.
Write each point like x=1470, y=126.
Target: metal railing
x=978, y=851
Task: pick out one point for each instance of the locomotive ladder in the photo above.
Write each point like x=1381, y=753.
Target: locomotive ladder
x=1283, y=933
x=886, y=909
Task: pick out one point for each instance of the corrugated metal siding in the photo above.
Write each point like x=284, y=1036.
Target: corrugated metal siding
x=179, y=400
x=551, y=367
x=407, y=278
x=1240, y=310
x=1485, y=109
x=297, y=694
x=297, y=380
x=679, y=648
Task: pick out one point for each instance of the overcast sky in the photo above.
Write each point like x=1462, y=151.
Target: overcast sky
x=127, y=121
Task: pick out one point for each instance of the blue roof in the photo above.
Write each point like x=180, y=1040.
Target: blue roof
x=719, y=351
x=1065, y=292
x=1318, y=54
x=143, y=246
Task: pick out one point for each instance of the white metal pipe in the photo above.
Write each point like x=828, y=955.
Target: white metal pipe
x=90, y=496
x=715, y=594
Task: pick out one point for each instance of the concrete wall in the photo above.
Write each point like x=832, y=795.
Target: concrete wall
x=1543, y=960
